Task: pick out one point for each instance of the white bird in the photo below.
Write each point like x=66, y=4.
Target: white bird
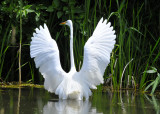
x=73, y=85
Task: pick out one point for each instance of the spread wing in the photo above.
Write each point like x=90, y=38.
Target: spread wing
x=45, y=52
x=97, y=54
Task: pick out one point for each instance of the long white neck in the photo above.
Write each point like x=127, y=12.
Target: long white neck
x=71, y=48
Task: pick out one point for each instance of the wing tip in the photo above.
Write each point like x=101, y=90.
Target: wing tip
x=101, y=20
x=37, y=30
x=40, y=27
x=45, y=25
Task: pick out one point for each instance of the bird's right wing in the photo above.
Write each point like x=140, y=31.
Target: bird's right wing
x=45, y=52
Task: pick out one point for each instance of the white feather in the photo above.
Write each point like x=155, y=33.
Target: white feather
x=45, y=52
x=74, y=85
x=97, y=54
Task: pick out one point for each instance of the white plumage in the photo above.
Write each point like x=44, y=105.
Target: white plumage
x=74, y=85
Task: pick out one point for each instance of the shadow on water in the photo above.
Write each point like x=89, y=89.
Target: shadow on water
x=39, y=101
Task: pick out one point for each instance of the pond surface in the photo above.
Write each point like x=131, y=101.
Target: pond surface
x=39, y=101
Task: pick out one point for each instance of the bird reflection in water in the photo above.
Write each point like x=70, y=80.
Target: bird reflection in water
x=69, y=107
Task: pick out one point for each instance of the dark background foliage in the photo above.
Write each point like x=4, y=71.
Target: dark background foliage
x=137, y=26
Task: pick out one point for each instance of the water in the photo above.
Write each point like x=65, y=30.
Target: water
x=39, y=101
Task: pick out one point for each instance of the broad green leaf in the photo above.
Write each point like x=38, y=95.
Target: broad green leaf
x=150, y=71
x=27, y=6
x=29, y=10
x=50, y=9
x=153, y=70
x=64, y=0
x=59, y=14
x=56, y=3
x=72, y=2
x=65, y=8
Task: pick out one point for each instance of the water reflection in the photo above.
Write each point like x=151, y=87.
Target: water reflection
x=19, y=100
x=38, y=101
x=154, y=102
x=69, y=107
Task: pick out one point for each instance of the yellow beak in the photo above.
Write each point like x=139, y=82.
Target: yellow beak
x=63, y=23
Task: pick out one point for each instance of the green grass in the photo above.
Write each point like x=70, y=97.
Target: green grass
x=4, y=47
x=137, y=43
x=153, y=83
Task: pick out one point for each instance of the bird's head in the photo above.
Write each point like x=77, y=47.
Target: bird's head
x=68, y=22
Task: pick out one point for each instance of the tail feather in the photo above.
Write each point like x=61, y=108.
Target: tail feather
x=73, y=89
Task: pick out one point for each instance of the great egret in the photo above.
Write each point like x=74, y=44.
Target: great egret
x=73, y=85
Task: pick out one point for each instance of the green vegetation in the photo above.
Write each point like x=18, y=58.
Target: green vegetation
x=17, y=85
x=137, y=44
x=155, y=82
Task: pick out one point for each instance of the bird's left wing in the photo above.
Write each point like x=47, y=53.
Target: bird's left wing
x=45, y=52
x=97, y=54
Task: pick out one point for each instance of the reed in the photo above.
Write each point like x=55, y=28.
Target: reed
x=137, y=43
x=4, y=46
x=20, y=42
x=130, y=43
